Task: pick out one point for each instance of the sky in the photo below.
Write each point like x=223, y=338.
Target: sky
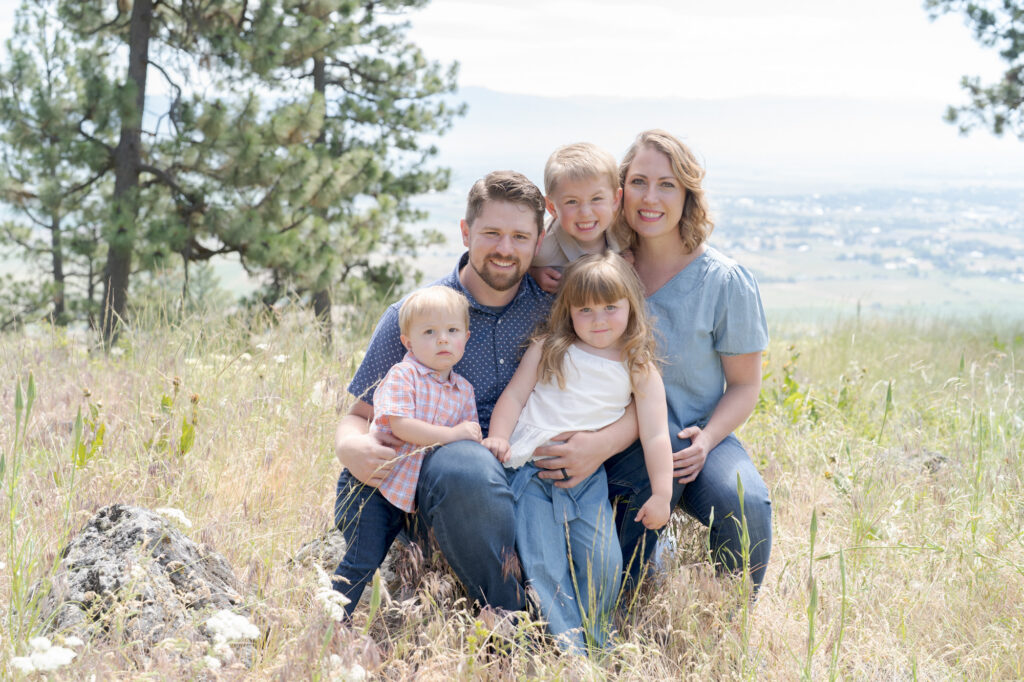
x=702, y=48
x=696, y=48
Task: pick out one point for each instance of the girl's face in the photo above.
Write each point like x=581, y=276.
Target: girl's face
x=601, y=325
x=652, y=199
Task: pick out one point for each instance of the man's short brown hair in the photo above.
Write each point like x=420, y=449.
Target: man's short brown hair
x=510, y=186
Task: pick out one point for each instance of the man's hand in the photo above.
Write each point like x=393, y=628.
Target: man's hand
x=369, y=457
x=499, y=447
x=579, y=456
x=689, y=461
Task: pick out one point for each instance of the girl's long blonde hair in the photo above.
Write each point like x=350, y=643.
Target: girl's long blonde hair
x=593, y=280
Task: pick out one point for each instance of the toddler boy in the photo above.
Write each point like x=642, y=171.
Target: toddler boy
x=422, y=402
x=581, y=183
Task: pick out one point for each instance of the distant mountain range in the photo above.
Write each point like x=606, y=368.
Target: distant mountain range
x=749, y=144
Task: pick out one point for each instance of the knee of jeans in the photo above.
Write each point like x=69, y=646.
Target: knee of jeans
x=465, y=472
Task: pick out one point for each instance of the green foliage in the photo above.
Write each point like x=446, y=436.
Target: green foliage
x=87, y=437
x=51, y=171
x=309, y=182
x=998, y=24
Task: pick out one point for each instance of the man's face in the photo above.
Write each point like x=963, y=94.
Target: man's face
x=502, y=242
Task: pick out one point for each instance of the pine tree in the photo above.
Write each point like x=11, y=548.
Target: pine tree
x=173, y=38
x=359, y=101
x=51, y=173
x=997, y=106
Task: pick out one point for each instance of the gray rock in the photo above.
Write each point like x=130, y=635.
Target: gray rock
x=130, y=574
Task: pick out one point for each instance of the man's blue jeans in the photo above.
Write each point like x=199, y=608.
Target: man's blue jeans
x=712, y=492
x=370, y=524
x=464, y=499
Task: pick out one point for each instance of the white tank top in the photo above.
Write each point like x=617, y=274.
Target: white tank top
x=597, y=391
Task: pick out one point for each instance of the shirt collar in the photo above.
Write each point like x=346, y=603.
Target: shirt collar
x=526, y=285
x=427, y=371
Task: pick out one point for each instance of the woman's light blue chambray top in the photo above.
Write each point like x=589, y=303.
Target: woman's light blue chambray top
x=710, y=308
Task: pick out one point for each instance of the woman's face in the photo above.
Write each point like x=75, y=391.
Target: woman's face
x=652, y=197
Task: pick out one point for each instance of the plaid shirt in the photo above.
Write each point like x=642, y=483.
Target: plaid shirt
x=411, y=389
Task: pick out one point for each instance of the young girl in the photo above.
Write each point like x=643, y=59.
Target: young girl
x=580, y=374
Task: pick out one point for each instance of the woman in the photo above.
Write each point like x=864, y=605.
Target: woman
x=712, y=330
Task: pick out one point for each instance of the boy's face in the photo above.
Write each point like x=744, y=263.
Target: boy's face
x=437, y=339
x=585, y=208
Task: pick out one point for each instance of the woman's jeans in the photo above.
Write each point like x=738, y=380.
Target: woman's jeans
x=711, y=498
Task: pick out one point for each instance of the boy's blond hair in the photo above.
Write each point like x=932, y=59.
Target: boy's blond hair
x=577, y=162
x=430, y=299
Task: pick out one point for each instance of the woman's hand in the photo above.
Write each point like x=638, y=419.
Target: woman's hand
x=689, y=461
x=578, y=457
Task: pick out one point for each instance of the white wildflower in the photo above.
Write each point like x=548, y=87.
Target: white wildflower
x=2, y=565
x=73, y=641
x=342, y=673
x=23, y=664
x=175, y=515
x=332, y=601
x=137, y=572
x=316, y=396
x=191, y=361
x=39, y=644
x=211, y=662
x=227, y=626
x=262, y=346
x=53, y=658
x=117, y=352
x=245, y=357
x=220, y=357
x=280, y=359
x=224, y=652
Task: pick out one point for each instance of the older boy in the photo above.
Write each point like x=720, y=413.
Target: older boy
x=581, y=182
x=422, y=402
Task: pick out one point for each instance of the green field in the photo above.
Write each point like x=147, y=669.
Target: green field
x=894, y=450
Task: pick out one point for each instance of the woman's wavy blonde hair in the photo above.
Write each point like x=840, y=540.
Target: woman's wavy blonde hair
x=592, y=280
x=695, y=225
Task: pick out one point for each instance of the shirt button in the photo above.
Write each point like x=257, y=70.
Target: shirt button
x=502, y=361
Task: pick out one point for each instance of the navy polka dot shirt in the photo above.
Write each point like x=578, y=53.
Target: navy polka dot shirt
x=497, y=339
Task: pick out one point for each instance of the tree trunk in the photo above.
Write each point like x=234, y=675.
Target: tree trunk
x=57, y=258
x=322, y=297
x=127, y=158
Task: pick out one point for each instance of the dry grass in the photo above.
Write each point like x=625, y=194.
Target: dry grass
x=917, y=562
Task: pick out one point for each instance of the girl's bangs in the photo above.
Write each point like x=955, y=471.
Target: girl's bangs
x=598, y=285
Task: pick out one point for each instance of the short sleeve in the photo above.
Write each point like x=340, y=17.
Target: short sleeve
x=740, y=325
x=469, y=413
x=384, y=350
x=396, y=394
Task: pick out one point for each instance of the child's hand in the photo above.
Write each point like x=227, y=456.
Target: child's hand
x=655, y=512
x=547, y=278
x=499, y=447
x=467, y=431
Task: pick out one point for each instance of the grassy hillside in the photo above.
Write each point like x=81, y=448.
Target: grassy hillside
x=894, y=451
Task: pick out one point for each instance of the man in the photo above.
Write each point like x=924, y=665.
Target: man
x=463, y=495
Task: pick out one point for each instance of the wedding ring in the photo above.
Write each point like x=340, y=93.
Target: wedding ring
x=565, y=475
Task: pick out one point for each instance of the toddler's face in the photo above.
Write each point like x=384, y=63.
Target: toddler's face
x=437, y=339
x=585, y=208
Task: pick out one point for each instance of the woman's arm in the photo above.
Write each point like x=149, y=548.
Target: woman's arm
x=742, y=387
